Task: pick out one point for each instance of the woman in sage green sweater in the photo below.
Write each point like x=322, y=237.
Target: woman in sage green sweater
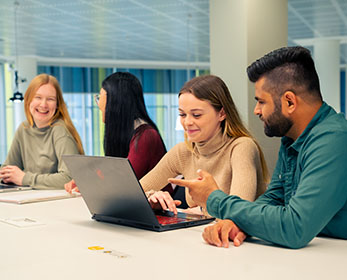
x=48, y=133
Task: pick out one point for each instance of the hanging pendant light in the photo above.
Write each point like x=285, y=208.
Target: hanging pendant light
x=17, y=96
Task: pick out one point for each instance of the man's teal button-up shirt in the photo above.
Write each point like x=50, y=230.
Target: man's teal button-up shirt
x=307, y=195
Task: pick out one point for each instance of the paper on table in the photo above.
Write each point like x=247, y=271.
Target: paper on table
x=21, y=222
x=35, y=196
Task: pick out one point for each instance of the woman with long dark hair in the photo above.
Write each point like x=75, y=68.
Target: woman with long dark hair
x=129, y=131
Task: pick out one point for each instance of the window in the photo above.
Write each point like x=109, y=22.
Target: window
x=160, y=88
x=3, y=147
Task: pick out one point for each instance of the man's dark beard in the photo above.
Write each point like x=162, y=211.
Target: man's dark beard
x=277, y=124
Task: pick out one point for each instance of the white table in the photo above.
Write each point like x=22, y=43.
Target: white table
x=59, y=250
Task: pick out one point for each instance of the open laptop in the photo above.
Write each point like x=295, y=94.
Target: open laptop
x=4, y=187
x=113, y=194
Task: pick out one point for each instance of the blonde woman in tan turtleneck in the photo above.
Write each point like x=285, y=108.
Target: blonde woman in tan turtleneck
x=216, y=141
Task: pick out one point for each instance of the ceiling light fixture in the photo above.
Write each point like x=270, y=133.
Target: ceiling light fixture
x=17, y=96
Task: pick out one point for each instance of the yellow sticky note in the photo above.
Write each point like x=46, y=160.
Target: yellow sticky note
x=95, y=248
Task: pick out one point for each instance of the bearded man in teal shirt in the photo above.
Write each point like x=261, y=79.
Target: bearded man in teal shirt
x=307, y=195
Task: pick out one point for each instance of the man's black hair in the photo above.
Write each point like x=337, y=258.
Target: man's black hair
x=287, y=68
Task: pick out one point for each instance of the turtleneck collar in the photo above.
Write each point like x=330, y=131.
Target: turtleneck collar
x=211, y=146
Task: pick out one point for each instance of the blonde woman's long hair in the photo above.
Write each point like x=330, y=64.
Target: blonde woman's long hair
x=212, y=89
x=61, y=111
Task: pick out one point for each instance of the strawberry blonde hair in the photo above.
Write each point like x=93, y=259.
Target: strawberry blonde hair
x=61, y=111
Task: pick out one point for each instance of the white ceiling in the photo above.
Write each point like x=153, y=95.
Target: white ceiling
x=142, y=30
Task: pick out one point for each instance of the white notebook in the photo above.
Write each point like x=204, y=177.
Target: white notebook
x=35, y=196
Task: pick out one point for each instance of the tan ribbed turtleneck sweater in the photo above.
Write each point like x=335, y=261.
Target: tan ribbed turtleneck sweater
x=234, y=164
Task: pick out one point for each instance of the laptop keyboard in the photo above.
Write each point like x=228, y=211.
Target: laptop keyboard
x=164, y=220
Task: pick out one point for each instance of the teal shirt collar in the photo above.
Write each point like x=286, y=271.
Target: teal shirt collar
x=323, y=111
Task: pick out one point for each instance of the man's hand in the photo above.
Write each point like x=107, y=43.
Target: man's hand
x=199, y=188
x=220, y=233
x=12, y=174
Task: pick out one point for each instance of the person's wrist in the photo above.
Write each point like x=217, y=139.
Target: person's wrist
x=210, y=202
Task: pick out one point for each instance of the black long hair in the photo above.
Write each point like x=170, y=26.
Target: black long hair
x=125, y=103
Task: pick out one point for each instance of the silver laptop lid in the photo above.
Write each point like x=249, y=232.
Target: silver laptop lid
x=110, y=188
